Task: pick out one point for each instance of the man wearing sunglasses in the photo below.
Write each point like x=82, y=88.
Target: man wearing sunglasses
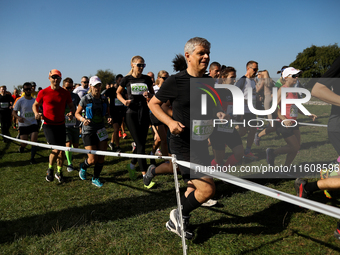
x=84, y=88
x=27, y=123
x=54, y=99
x=245, y=82
x=72, y=125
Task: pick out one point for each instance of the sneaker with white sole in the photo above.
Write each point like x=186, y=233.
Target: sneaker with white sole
x=96, y=182
x=82, y=172
x=173, y=225
x=209, y=203
x=59, y=176
x=49, y=175
x=70, y=168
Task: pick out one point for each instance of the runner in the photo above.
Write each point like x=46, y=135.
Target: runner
x=53, y=100
x=290, y=133
x=137, y=114
x=6, y=102
x=28, y=125
x=94, y=133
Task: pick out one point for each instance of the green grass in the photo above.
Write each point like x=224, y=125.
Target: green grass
x=122, y=217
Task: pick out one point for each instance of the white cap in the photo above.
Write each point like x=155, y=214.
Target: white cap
x=94, y=80
x=290, y=71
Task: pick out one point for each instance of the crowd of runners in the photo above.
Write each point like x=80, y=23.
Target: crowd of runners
x=67, y=111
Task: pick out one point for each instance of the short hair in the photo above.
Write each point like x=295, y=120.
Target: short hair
x=190, y=46
x=251, y=62
x=87, y=78
x=214, y=64
x=119, y=76
x=68, y=79
x=225, y=71
x=3, y=86
x=27, y=84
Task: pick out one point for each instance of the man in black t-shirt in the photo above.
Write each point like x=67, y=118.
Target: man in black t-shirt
x=6, y=102
x=178, y=90
x=322, y=90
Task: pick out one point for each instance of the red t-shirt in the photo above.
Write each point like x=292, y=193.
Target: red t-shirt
x=54, y=103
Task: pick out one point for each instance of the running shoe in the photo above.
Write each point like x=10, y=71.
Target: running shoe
x=270, y=156
x=32, y=161
x=82, y=172
x=21, y=149
x=49, y=175
x=337, y=232
x=112, y=146
x=70, y=168
x=158, y=152
x=59, y=177
x=324, y=174
x=299, y=186
x=124, y=135
x=147, y=178
x=96, y=182
x=209, y=203
x=257, y=139
x=132, y=172
x=120, y=134
x=250, y=157
x=118, y=149
x=133, y=145
x=174, y=225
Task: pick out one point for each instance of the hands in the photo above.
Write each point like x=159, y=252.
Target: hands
x=127, y=102
x=21, y=119
x=313, y=117
x=176, y=127
x=38, y=116
x=69, y=115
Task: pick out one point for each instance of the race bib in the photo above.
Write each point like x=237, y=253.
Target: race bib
x=4, y=105
x=29, y=116
x=202, y=129
x=294, y=111
x=138, y=88
x=69, y=123
x=118, y=102
x=102, y=134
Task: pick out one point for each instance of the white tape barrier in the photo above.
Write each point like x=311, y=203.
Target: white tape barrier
x=303, y=202
x=102, y=153
x=303, y=123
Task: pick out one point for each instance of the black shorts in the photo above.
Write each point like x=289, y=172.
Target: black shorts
x=55, y=134
x=333, y=129
x=286, y=131
x=28, y=129
x=91, y=139
x=199, y=154
x=154, y=120
x=219, y=139
x=117, y=114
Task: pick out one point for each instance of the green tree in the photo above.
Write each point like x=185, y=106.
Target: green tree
x=19, y=87
x=314, y=61
x=106, y=76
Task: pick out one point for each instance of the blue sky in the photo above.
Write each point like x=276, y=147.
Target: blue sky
x=81, y=37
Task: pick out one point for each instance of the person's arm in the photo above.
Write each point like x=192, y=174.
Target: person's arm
x=175, y=126
x=120, y=96
x=35, y=109
x=72, y=110
x=325, y=94
x=15, y=115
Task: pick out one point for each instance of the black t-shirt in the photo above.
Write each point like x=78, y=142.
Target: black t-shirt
x=331, y=79
x=111, y=93
x=185, y=98
x=5, y=102
x=135, y=88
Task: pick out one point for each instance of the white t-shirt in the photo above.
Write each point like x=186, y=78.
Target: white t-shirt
x=80, y=91
x=25, y=107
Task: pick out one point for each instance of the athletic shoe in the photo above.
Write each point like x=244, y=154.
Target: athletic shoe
x=82, y=172
x=158, y=152
x=337, y=232
x=250, y=157
x=32, y=161
x=124, y=135
x=147, y=178
x=133, y=145
x=96, y=182
x=173, y=225
x=120, y=134
x=112, y=146
x=21, y=149
x=59, y=177
x=118, y=149
x=257, y=139
x=132, y=172
x=70, y=168
x=270, y=156
x=324, y=174
x=49, y=176
x=299, y=186
x=209, y=203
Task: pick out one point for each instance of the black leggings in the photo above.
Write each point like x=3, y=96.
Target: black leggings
x=139, y=133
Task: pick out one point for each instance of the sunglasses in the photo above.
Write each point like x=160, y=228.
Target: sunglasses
x=69, y=88
x=164, y=78
x=55, y=77
x=26, y=89
x=85, y=82
x=140, y=65
x=295, y=76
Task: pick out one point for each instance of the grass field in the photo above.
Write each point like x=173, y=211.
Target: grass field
x=122, y=217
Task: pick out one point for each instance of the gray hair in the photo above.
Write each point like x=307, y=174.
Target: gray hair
x=196, y=41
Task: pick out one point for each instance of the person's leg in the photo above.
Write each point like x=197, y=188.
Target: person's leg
x=23, y=145
x=34, y=138
x=291, y=149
